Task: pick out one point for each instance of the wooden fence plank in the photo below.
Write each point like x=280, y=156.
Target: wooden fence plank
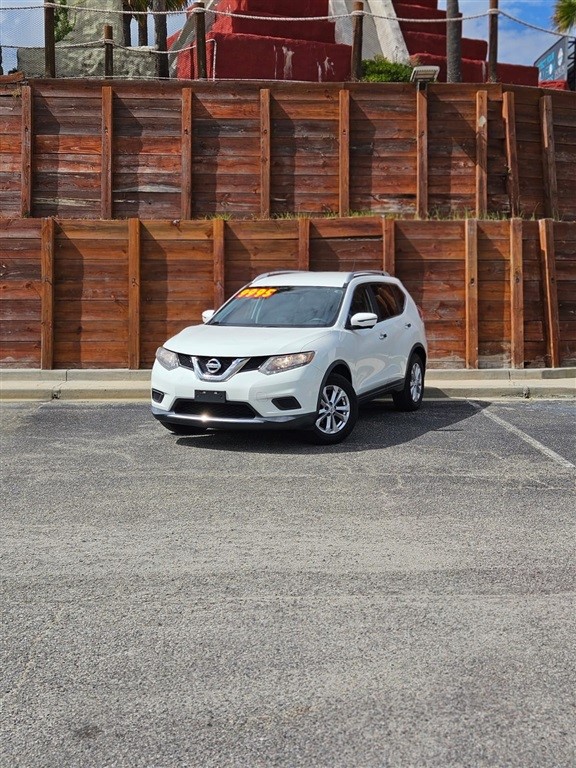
x=107, y=137
x=471, y=256
x=513, y=181
x=481, y=154
x=516, y=295
x=47, y=308
x=187, y=157
x=265, y=148
x=548, y=157
x=388, y=246
x=134, y=259
x=304, y=243
x=26, y=152
x=422, y=153
x=218, y=244
x=344, y=154
x=550, y=292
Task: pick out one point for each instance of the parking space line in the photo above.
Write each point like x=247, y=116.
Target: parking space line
x=525, y=437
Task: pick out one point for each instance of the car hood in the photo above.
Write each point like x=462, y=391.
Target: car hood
x=226, y=341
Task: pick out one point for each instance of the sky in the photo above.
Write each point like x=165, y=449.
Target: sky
x=518, y=43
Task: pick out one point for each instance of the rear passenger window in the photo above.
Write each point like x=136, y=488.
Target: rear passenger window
x=390, y=300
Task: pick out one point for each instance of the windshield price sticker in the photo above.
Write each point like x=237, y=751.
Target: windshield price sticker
x=257, y=293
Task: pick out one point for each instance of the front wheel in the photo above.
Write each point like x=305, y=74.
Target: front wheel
x=337, y=412
x=409, y=398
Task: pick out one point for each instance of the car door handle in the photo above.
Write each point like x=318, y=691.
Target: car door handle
x=383, y=335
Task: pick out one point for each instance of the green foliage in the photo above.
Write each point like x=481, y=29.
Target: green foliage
x=62, y=24
x=380, y=70
x=564, y=15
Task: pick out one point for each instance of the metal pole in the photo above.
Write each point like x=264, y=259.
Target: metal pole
x=200, y=29
x=49, y=42
x=108, y=51
x=357, y=41
x=493, y=43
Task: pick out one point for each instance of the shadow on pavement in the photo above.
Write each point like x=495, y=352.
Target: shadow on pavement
x=379, y=425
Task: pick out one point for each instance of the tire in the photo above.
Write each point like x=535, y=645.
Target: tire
x=182, y=430
x=409, y=398
x=337, y=412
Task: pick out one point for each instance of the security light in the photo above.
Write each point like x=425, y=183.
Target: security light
x=424, y=74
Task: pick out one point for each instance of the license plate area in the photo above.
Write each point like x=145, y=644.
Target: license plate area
x=208, y=396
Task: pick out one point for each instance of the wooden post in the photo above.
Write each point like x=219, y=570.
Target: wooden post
x=200, y=36
x=516, y=295
x=471, y=256
x=26, y=153
x=344, y=154
x=357, y=40
x=265, y=153
x=493, y=42
x=186, y=181
x=304, y=243
x=513, y=182
x=47, y=294
x=49, y=41
x=550, y=292
x=106, y=169
x=548, y=157
x=481, y=154
x=134, y=293
x=389, y=246
x=218, y=252
x=108, y=51
x=422, y=153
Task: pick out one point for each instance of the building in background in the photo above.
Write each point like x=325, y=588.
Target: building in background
x=556, y=67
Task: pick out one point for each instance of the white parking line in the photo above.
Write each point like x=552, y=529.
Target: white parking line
x=527, y=438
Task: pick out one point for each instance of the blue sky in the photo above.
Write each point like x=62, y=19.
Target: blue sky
x=518, y=43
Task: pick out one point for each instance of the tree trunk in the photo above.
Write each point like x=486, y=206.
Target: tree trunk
x=142, y=29
x=453, y=43
x=126, y=21
x=161, y=36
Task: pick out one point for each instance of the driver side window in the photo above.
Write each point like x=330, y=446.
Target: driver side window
x=360, y=301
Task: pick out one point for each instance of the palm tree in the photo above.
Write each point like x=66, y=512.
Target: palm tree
x=141, y=7
x=565, y=15
x=453, y=43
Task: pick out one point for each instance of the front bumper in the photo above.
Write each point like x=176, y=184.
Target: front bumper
x=249, y=399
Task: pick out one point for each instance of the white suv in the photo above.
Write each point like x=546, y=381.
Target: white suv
x=294, y=349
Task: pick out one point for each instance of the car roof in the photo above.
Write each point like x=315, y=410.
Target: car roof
x=330, y=279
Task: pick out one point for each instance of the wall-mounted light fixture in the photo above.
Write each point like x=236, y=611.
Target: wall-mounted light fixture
x=422, y=75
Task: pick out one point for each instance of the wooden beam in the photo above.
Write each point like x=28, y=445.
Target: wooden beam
x=106, y=171
x=550, y=292
x=304, y=243
x=513, y=180
x=134, y=293
x=218, y=252
x=344, y=154
x=481, y=154
x=471, y=256
x=516, y=295
x=388, y=246
x=186, y=140
x=548, y=157
x=265, y=153
x=357, y=41
x=27, y=132
x=47, y=294
x=422, y=153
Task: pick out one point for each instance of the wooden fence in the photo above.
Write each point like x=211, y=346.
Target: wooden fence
x=105, y=294
x=184, y=150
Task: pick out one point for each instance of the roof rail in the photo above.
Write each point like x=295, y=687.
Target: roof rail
x=361, y=272
x=279, y=272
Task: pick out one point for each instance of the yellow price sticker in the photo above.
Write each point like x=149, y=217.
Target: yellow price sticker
x=257, y=293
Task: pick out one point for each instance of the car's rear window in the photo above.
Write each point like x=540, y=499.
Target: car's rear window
x=282, y=307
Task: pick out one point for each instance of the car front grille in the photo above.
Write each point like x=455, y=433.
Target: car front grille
x=230, y=411
x=252, y=364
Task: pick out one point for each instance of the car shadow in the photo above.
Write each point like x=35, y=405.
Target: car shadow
x=379, y=425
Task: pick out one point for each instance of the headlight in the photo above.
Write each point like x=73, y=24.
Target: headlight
x=280, y=363
x=167, y=359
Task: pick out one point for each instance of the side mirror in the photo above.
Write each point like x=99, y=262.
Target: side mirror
x=363, y=320
x=208, y=314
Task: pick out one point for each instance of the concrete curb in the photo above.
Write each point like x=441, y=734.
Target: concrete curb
x=33, y=384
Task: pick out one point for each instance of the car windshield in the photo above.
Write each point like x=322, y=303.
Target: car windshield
x=282, y=307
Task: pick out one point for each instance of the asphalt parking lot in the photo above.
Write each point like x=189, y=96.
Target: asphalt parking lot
x=403, y=599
